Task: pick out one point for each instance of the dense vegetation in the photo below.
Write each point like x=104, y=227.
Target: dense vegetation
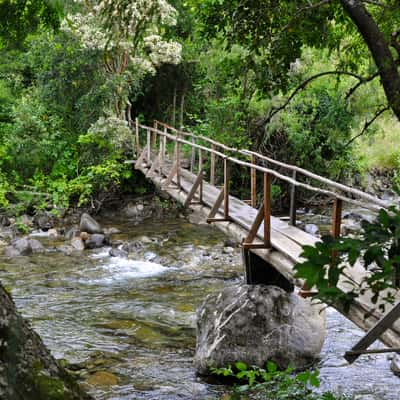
x=74, y=74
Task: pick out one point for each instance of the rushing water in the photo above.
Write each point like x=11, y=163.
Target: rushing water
x=135, y=318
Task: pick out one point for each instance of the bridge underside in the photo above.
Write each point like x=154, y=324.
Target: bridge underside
x=286, y=240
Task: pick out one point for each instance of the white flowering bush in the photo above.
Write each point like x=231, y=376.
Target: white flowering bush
x=128, y=32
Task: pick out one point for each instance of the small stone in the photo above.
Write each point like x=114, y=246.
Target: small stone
x=44, y=221
x=78, y=244
x=25, y=220
x=140, y=207
x=103, y=378
x=36, y=246
x=11, y=252
x=53, y=234
x=3, y=243
x=95, y=241
x=118, y=253
x=228, y=250
x=23, y=246
x=395, y=365
x=111, y=231
x=230, y=243
x=89, y=224
x=4, y=220
x=84, y=236
x=144, y=240
x=312, y=229
x=71, y=233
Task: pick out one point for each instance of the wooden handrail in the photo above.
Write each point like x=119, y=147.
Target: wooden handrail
x=373, y=203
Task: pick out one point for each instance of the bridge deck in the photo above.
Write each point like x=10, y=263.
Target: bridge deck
x=286, y=240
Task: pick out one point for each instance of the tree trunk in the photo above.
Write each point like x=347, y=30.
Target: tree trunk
x=380, y=50
x=27, y=369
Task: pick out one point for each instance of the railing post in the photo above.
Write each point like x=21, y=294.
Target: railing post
x=193, y=158
x=293, y=205
x=137, y=138
x=337, y=217
x=212, y=166
x=178, y=160
x=154, y=136
x=164, y=143
x=148, y=146
x=201, y=169
x=267, y=210
x=226, y=189
x=253, y=182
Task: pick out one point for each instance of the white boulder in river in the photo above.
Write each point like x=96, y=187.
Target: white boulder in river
x=256, y=324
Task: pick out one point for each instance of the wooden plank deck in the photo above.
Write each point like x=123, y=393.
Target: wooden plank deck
x=286, y=240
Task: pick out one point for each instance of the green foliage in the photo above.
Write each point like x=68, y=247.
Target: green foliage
x=272, y=384
x=378, y=248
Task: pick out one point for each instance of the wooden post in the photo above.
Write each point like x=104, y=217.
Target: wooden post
x=226, y=189
x=337, y=217
x=154, y=136
x=267, y=210
x=178, y=161
x=292, y=212
x=164, y=143
x=137, y=138
x=201, y=169
x=193, y=158
x=148, y=147
x=253, y=182
x=212, y=167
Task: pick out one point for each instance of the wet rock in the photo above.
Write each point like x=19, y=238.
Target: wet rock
x=23, y=246
x=3, y=243
x=84, y=236
x=7, y=233
x=144, y=240
x=89, y=224
x=4, y=220
x=36, y=246
x=25, y=220
x=66, y=249
x=78, y=244
x=228, y=250
x=53, y=234
x=111, y=231
x=71, y=233
x=118, y=253
x=257, y=323
x=230, y=243
x=103, y=378
x=44, y=221
x=312, y=229
x=132, y=247
x=11, y=252
x=395, y=364
x=150, y=256
x=95, y=241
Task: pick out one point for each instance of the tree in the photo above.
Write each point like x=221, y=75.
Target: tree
x=19, y=18
x=278, y=29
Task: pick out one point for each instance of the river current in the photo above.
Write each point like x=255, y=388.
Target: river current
x=127, y=326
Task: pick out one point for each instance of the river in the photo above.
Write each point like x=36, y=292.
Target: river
x=127, y=326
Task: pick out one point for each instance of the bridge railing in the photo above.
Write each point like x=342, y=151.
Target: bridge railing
x=202, y=145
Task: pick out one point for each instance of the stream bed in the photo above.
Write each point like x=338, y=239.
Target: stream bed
x=126, y=327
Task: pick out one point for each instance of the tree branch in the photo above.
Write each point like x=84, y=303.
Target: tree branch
x=367, y=124
x=274, y=111
x=361, y=82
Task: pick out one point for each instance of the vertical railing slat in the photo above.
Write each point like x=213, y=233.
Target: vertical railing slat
x=253, y=182
x=226, y=189
x=293, y=205
x=267, y=210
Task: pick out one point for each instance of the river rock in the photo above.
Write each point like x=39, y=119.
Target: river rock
x=11, y=252
x=71, y=233
x=53, y=234
x=132, y=247
x=255, y=324
x=77, y=243
x=395, y=364
x=44, y=221
x=118, y=253
x=25, y=220
x=89, y=224
x=4, y=220
x=111, y=231
x=312, y=229
x=95, y=241
x=36, y=246
x=23, y=246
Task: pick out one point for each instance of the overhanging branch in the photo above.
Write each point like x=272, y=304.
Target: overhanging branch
x=274, y=111
x=367, y=124
x=361, y=82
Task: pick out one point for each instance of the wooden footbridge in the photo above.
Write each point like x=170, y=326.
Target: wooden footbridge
x=175, y=161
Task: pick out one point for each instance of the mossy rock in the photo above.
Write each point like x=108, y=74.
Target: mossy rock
x=103, y=378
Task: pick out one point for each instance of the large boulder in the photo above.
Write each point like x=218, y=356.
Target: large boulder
x=89, y=224
x=28, y=371
x=23, y=246
x=95, y=241
x=44, y=220
x=256, y=324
